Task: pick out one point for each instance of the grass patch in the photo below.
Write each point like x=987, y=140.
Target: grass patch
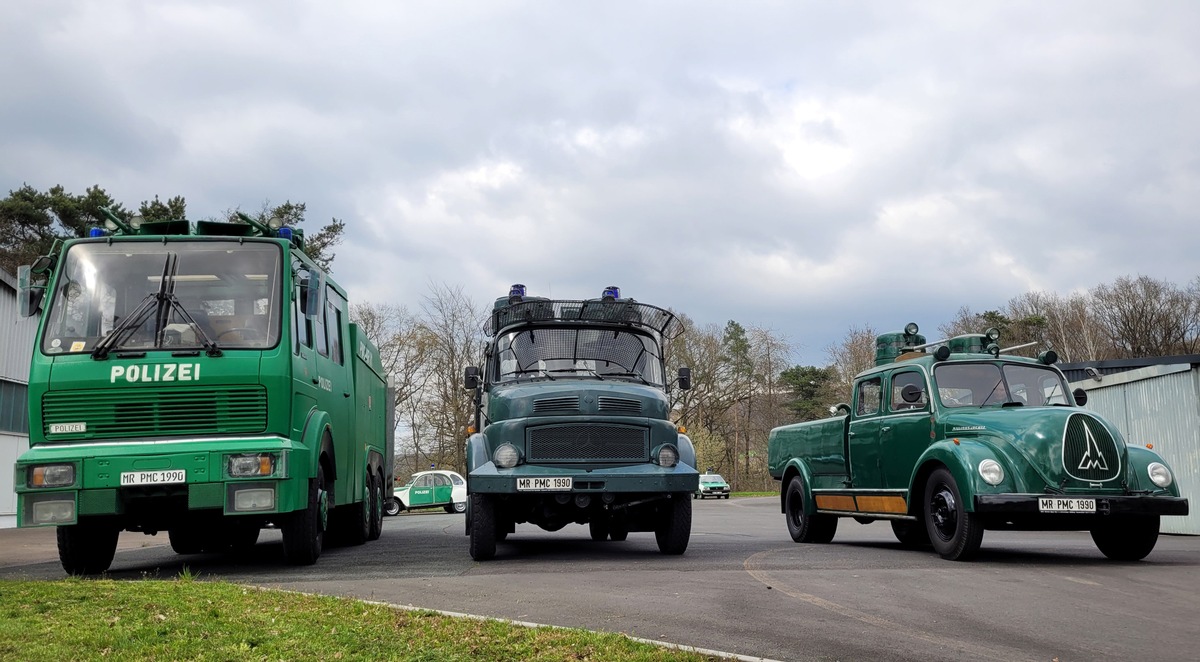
x=185, y=619
x=753, y=494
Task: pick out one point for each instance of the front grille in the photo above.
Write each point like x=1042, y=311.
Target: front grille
x=620, y=405
x=588, y=443
x=133, y=413
x=1089, y=451
x=562, y=403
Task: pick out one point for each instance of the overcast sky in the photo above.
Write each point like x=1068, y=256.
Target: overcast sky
x=800, y=166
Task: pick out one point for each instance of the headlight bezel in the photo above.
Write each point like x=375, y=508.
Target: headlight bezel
x=991, y=471
x=506, y=456
x=1159, y=471
x=38, y=476
x=672, y=456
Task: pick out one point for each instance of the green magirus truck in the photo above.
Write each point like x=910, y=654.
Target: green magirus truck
x=573, y=423
x=950, y=438
x=204, y=380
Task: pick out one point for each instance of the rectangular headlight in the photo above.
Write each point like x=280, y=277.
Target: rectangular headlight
x=51, y=475
x=251, y=465
x=254, y=499
x=54, y=512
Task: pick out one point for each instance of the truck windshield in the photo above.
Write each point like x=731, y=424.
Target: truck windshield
x=229, y=289
x=602, y=353
x=984, y=384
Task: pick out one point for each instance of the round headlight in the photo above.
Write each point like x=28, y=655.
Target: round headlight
x=135, y=222
x=1159, y=474
x=991, y=472
x=111, y=225
x=275, y=223
x=505, y=456
x=668, y=456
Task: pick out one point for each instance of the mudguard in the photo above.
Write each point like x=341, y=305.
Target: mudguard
x=314, y=438
x=477, y=452
x=1138, y=473
x=962, y=459
x=792, y=467
x=687, y=452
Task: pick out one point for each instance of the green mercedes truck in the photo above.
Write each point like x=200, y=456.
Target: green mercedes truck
x=201, y=379
x=950, y=438
x=572, y=423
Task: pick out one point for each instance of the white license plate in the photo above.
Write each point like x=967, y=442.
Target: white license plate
x=1065, y=505
x=153, y=477
x=550, y=484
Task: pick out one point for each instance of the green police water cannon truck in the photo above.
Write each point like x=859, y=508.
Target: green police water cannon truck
x=201, y=379
x=572, y=423
x=950, y=438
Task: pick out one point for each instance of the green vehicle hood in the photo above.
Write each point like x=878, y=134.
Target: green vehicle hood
x=1057, y=447
x=571, y=397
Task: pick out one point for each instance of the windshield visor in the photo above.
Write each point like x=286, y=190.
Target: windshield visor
x=230, y=291
x=983, y=384
x=562, y=352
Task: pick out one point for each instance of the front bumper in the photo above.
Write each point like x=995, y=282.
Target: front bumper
x=1027, y=504
x=640, y=478
x=98, y=490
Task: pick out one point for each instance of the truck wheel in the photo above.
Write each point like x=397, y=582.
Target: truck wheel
x=392, y=507
x=241, y=537
x=87, y=548
x=598, y=528
x=954, y=532
x=376, y=507
x=806, y=528
x=675, y=527
x=1126, y=538
x=304, y=532
x=912, y=535
x=483, y=527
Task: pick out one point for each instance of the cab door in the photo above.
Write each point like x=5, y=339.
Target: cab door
x=335, y=387
x=421, y=492
x=863, y=437
x=904, y=431
x=441, y=489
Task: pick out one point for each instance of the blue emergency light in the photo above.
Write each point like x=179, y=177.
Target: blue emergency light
x=611, y=292
x=97, y=232
x=285, y=233
x=516, y=293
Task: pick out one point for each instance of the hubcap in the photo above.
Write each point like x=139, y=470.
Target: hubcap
x=323, y=507
x=943, y=512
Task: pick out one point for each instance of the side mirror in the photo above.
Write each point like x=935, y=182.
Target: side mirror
x=1080, y=396
x=29, y=296
x=310, y=293
x=910, y=393
x=840, y=409
x=685, y=378
x=471, y=378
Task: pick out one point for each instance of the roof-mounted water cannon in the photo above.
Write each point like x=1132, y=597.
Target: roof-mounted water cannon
x=113, y=223
x=891, y=346
x=611, y=293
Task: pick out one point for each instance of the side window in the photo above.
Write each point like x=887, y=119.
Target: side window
x=300, y=328
x=867, y=396
x=319, y=332
x=912, y=379
x=334, y=305
x=456, y=480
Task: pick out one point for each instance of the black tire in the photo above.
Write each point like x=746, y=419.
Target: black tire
x=675, y=525
x=304, y=532
x=467, y=519
x=912, y=535
x=392, y=507
x=87, y=548
x=726, y=496
x=187, y=539
x=376, y=507
x=818, y=529
x=237, y=538
x=483, y=527
x=954, y=533
x=598, y=528
x=355, y=520
x=1127, y=538
x=695, y=496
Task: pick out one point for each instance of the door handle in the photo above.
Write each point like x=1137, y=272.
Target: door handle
x=851, y=434
x=315, y=380
x=886, y=428
x=345, y=394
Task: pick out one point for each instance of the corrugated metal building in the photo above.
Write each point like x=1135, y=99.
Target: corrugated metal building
x=16, y=344
x=1152, y=401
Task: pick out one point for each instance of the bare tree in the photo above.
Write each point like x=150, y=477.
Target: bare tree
x=1147, y=317
x=855, y=353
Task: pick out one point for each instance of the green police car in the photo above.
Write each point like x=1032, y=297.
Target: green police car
x=711, y=485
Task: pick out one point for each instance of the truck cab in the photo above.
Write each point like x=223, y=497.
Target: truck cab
x=572, y=423
x=950, y=438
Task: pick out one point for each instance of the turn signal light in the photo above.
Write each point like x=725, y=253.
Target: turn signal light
x=682, y=429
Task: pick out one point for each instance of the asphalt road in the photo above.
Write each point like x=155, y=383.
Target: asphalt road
x=744, y=587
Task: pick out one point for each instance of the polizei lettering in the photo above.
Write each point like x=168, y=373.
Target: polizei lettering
x=157, y=372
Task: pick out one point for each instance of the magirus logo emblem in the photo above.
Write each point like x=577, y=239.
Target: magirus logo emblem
x=1093, y=458
x=1090, y=453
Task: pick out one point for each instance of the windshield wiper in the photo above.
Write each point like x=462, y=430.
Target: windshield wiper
x=541, y=373
x=639, y=377
x=590, y=370
x=162, y=303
